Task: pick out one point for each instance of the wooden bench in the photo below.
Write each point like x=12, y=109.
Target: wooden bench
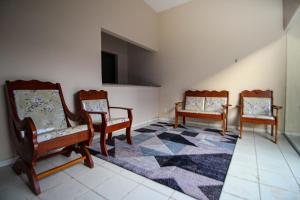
x=204, y=104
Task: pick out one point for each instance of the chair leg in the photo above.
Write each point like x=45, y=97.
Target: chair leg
x=241, y=130
x=103, y=144
x=223, y=127
x=68, y=151
x=226, y=124
x=183, y=120
x=109, y=136
x=21, y=166
x=128, y=135
x=88, y=161
x=276, y=133
x=272, y=130
x=176, y=121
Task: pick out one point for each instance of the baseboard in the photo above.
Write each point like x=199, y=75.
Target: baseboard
x=214, y=125
x=7, y=162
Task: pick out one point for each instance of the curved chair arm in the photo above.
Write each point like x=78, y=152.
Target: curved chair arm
x=225, y=107
x=103, y=115
x=177, y=104
x=277, y=108
x=122, y=108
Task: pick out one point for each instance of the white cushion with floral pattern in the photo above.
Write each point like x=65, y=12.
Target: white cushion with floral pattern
x=43, y=106
x=194, y=103
x=259, y=117
x=257, y=106
x=214, y=104
x=59, y=133
x=199, y=112
x=96, y=105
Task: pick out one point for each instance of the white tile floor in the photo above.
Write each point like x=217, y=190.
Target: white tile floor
x=259, y=170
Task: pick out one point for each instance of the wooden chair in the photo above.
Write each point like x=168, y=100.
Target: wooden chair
x=205, y=104
x=257, y=107
x=96, y=104
x=39, y=122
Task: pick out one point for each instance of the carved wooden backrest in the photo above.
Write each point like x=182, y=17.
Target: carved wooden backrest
x=42, y=101
x=256, y=102
x=208, y=101
x=94, y=101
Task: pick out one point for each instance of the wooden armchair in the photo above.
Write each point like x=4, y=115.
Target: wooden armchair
x=39, y=122
x=96, y=104
x=257, y=107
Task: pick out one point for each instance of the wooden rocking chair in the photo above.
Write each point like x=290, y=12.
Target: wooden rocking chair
x=39, y=122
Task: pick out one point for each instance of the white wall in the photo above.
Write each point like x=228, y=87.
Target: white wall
x=143, y=100
x=289, y=9
x=200, y=41
x=60, y=41
x=292, y=124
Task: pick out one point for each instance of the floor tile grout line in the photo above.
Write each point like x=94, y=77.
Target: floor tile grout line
x=258, y=175
x=235, y=195
x=289, y=166
x=130, y=192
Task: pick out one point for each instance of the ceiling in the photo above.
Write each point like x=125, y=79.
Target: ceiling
x=161, y=5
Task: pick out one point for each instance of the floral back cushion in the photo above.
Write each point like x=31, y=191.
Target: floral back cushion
x=97, y=105
x=214, y=104
x=257, y=106
x=43, y=106
x=194, y=103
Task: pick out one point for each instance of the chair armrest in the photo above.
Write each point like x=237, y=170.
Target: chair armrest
x=129, y=111
x=277, y=107
x=226, y=106
x=122, y=108
x=28, y=127
x=177, y=104
x=103, y=114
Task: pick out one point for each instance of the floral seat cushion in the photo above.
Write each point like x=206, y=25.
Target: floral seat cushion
x=257, y=106
x=214, y=104
x=113, y=121
x=59, y=133
x=259, y=117
x=96, y=105
x=43, y=106
x=195, y=104
x=199, y=112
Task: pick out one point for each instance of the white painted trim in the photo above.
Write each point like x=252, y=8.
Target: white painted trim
x=7, y=162
x=292, y=133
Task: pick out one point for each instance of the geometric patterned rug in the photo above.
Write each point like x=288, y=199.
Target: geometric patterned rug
x=190, y=160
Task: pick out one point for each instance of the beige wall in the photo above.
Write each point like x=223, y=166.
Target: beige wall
x=200, y=41
x=60, y=41
x=292, y=124
x=289, y=9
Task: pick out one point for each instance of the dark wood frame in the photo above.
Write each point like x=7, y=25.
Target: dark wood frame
x=259, y=94
x=104, y=128
x=29, y=150
x=205, y=93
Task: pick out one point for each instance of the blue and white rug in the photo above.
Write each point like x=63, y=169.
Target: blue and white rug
x=191, y=160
